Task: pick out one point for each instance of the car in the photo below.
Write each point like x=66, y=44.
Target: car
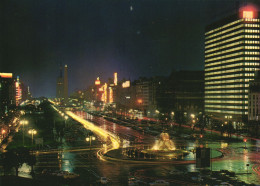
x=133, y=181
x=103, y=180
x=159, y=183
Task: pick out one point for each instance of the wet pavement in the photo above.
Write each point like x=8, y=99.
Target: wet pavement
x=84, y=161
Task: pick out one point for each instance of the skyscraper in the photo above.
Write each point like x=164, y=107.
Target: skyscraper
x=65, y=84
x=231, y=57
x=59, y=85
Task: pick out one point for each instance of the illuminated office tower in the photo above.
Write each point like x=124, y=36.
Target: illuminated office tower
x=232, y=55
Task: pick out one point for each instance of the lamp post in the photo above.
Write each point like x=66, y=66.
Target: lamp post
x=66, y=117
x=23, y=122
x=172, y=116
x=32, y=132
x=157, y=112
x=140, y=101
x=192, y=120
x=90, y=139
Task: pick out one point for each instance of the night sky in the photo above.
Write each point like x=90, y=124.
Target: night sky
x=98, y=37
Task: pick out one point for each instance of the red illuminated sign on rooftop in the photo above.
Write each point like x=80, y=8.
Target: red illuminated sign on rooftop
x=248, y=12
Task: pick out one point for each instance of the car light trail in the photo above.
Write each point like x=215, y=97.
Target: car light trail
x=103, y=134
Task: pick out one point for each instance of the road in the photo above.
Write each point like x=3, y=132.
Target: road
x=84, y=161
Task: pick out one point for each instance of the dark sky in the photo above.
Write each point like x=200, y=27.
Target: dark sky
x=99, y=37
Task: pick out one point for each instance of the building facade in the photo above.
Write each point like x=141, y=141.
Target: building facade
x=254, y=99
x=231, y=58
x=7, y=92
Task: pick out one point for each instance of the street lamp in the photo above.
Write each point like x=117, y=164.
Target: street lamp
x=66, y=117
x=23, y=122
x=157, y=112
x=90, y=139
x=32, y=132
x=140, y=102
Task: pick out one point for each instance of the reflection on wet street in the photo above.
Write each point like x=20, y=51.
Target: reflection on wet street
x=84, y=161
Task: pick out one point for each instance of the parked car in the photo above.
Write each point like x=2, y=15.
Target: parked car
x=160, y=183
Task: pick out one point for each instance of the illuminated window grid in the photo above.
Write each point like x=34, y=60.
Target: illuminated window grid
x=234, y=49
x=232, y=34
x=223, y=37
x=225, y=26
x=233, y=39
x=234, y=54
x=225, y=31
x=228, y=81
x=225, y=101
x=225, y=56
x=225, y=46
x=225, y=91
x=225, y=51
x=229, y=71
x=252, y=25
x=227, y=86
x=232, y=66
x=230, y=76
x=227, y=96
x=227, y=106
x=230, y=24
x=231, y=61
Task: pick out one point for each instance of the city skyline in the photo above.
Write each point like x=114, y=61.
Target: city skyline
x=148, y=92
x=153, y=36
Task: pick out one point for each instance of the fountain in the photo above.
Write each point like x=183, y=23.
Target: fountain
x=164, y=143
x=165, y=148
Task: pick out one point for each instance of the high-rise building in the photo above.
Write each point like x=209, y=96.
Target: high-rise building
x=18, y=90
x=65, y=84
x=59, y=85
x=7, y=91
x=232, y=56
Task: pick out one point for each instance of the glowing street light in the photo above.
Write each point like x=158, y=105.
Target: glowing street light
x=245, y=140
x=32, y=132
x=89, y=139
x=66, y=117
x=23, y=122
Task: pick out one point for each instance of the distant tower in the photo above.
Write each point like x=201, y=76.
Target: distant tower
x=59, y=87
x=65, y=84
